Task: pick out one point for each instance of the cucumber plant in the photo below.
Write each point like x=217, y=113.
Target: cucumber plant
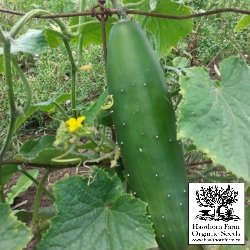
x=145, y=126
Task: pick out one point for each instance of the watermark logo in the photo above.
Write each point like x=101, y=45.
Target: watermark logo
x=216, y=213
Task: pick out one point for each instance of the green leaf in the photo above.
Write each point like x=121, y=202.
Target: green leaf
x=53, y=38
x=25, y=116
x=46, y=156
x=31, y=148
x=180, y=62
x=32, y=42
x=45, y=214
x=104, y=118
x=73, y=21
x=14, y=234
x=92, y=31
x=42, y=151
x=96, y=214
x=92, y=113
x=49, y=105
x=217, y=118
x=168, y=32
x=23, y=183
x=243, y=23
x=7, y=171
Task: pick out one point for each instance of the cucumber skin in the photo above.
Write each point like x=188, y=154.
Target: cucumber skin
x=145, y=126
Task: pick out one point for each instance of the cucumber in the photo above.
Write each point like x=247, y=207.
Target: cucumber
x=145, y=127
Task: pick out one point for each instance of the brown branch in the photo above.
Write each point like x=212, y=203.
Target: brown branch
x=138, y=12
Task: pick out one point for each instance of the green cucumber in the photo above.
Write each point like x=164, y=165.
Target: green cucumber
x=145, y=126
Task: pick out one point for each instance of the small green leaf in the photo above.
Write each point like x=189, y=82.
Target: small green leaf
x=180, y=62
x=96, y=214
x=243, y=23
x=31, y=148
x=104, y=118
x=73, y=23
x=7, y=171
x=42, y=151
x=14, y=234
x=217, y=118
x=25, y=116
x=23, y=183
x=46, y=156
x=45, y=214
x=53, y=37
x=32, y=42
x=92, y=113
x=49, y=105
x=168, y=32
x=92, y=31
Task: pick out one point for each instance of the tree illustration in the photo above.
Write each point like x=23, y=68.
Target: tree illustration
x=217, y=198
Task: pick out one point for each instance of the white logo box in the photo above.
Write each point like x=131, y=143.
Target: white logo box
x=216, y=213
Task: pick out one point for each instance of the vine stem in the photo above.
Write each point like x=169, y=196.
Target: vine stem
x=79, y=31
x=62, y=110
x=12, y=105
x=73, y=75
x=37, y=165
x=66, y=37
x=120, y=11
x=37, y=183
x=15, y=29
x=25, y=83
x=37, y=202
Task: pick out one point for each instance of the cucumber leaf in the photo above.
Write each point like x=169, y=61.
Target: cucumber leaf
x=168, y=32
x=7, y=171
x=53, y=38
x=96, y=214
x=23, y=183
x=43, y=151
x=46, y=106
x=14, y=234
x=216, y=115
x=92, y=112
x=32, y=42
x=243, y=23
x=93, y=33
x=49, y=105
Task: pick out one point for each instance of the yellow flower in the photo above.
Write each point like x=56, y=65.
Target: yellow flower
x=74, y=124
x=86, y=68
